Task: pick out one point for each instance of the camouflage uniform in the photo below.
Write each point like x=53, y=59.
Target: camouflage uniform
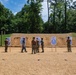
x=37, y=46
x=6, y=45
x=33, y=45
x=69, y=44
x=42, y=44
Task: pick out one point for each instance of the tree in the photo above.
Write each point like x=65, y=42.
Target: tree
x=34, y=14
x=5, y=18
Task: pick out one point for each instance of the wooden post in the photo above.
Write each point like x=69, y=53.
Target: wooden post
x=1, y=36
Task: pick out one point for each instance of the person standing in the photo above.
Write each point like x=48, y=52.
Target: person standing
x=42, y=44
x=33, y=42
x=6, y=44
x=69, y=44
x=23, y=45
x=37, y=45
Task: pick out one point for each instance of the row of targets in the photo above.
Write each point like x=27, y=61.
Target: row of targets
x=53, y=40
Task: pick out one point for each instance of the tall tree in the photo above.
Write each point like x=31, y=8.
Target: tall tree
x=5, y=18
x=35, y=20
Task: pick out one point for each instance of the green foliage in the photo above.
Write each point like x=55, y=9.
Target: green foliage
x=5, y=19
x=29, y=19
x=62, y=18
x=73, y=34
x=35, y=18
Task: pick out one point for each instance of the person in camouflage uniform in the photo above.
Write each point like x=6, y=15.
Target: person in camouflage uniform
x=6, y=44
x=37, y=45
x=33, y=42
x=69, y=44
x=42, y=44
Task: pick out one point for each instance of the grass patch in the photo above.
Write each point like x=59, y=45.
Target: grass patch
x=3, y=38
x=73, y=34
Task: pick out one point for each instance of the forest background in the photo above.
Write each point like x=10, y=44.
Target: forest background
x=61, y=18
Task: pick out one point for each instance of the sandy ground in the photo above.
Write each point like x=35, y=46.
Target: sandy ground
x=51, y=62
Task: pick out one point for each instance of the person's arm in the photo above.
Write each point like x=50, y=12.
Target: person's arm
x=31, y=43
x=43, y=43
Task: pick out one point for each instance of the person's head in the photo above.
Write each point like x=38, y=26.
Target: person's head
x=68, y=37
x=23, y=38
x=36, y=38
x=33, y=38
x=41, y=38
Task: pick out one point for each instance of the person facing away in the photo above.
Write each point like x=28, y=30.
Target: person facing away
x=6, y=44
x=69, y=44
x=23, y=45
x=37, y=45
x=42, y=44
x=33, y=42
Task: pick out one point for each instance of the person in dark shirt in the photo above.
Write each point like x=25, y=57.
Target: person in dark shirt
x=6, y=44
x=69, y=44
x=42, y=44
x=33, y=42
x=23, y=45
